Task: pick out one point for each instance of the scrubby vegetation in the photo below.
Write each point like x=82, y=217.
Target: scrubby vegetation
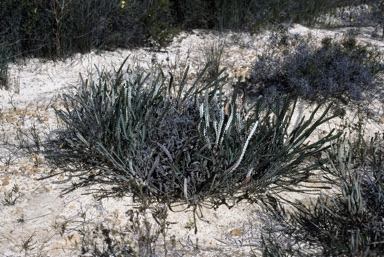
x=167, y=141
x=56, y=29
x=297, y=66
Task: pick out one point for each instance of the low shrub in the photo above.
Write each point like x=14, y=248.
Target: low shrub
x=181, y=142
x=342, y=70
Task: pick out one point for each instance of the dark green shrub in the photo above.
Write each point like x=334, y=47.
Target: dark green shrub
x=54, y=29
x=4, y=60
x=158, y=23
x=181, y=142
x=334, y=70
x=57, y=29
x=252, y=15
x=26, y=28
x=110, y=24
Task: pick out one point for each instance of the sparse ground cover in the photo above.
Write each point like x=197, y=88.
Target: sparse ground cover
x=126, y=161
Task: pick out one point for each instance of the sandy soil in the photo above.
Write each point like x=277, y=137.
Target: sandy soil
x=43, y=222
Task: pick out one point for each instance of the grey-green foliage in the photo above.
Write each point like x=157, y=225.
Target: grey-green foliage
x=341, y=70
x=349, y=222
x=181, y=141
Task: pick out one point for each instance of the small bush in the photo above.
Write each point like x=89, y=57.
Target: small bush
x=334, y=70
x=183, y=142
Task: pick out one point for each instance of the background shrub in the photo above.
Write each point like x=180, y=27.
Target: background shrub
x=254, y=14
x=333, y=70
x=60, y=28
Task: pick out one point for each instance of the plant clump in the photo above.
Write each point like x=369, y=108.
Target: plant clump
x=348, y=222
x=170, y=141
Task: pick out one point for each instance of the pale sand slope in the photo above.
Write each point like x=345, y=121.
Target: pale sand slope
x=42, y=222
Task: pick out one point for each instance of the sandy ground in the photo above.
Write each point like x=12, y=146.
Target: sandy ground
x=38, y=220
